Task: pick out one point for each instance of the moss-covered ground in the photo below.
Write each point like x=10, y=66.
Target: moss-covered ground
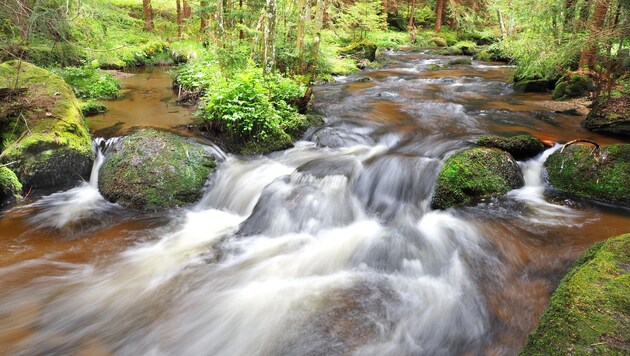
x=589, y=312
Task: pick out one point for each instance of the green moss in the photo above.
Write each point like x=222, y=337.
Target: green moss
x=92, y=107
x=363, y=49
x=610, y=116
x=589, y=312
x=571, y=86
x=51, y=142
x=438, y=41
x=520, y=146
x=154, y=170
x=475, y=174
x=601, y=176
x=460, y=61
x=484, y=56
x=435, y=66
x=10, y=186
x=468, y=48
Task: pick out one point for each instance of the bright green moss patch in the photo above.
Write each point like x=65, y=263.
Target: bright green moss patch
x=155, y=170
x=44, y=130
x=520, y=146
x=589, y=313
x=475, y=174
x=602, y=175
x=10, y=186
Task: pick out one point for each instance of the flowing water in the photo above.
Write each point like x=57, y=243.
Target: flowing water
x=326, y=248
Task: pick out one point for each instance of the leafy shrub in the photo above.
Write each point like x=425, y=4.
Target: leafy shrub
x=89, y=82
x=251, y=106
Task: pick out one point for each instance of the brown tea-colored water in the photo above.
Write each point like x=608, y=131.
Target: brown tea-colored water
x=148, y=101
x=326, y=248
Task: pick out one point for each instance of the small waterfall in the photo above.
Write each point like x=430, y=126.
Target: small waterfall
x=80, y=205
x=532, y=194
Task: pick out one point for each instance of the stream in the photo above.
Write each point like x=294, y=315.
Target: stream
x=326, y=248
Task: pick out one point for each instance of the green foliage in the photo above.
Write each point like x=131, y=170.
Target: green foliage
x=92, y=107
x=254, y=109
x=88, y=82
x=361, y=18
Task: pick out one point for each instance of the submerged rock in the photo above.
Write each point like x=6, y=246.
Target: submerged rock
x=610, y=117
x=589, y=312
x=10, y=186
x=155, y=170
x=585, y=172
x=50, y=141
x=475, y=174
x=520, y=147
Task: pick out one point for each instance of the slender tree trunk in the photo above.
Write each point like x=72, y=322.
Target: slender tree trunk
x=241, y=33
x=220, y=13
x=502, y=24
x=178, y=5
x=269, y=36
x=203, y=16
x=186, y=9
x=148, y=15
x=588, y=58
x=319, y=23
x=300, y=27
x=412, y=13
x=439, y=12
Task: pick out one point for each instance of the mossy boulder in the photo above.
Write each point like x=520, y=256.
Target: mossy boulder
x=359, y=50
x=584, y=172
x=438, y=41
x=572, y=86
x=611, y=117
x=474, y=174
x=155, y=170
x=460, y=61
x=589, y=312
x=10, y=186
x=467, y=48
x=520, y=146
x=43, y=127
x=484, y=55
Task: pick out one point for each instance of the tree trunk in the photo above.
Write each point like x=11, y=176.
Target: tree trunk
x=300, y=27
x=220, y=13
x=186, y=8
x=502, y=24
x=412, y=13
x=148, y=15
x=439, y=12
x=269, y=37
x=203, y=16
x=241, y=33
x=178, y=5
x=588, y=58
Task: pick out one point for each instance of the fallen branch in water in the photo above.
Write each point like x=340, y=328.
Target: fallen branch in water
x=572, y=142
